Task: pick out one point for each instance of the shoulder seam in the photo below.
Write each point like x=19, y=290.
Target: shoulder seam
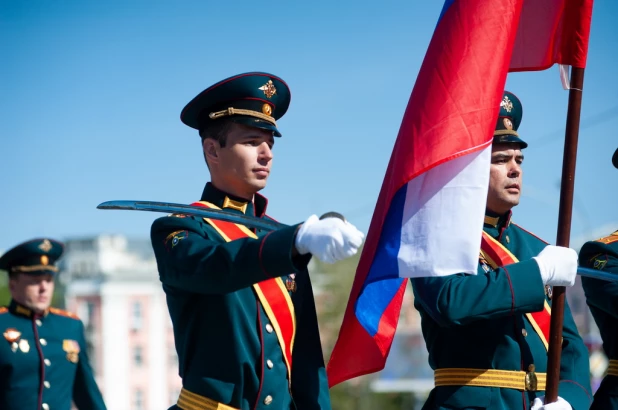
x=530, y=233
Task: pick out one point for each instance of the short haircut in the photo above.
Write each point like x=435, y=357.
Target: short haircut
x=217, y=130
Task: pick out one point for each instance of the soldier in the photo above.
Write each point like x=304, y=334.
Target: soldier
x=43, y=360
x=602, y=298
x=487, y=334
x=241, y=300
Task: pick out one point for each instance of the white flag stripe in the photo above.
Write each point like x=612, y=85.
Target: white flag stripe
x=443, y=218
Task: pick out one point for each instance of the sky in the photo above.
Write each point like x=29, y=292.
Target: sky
x=91, y=94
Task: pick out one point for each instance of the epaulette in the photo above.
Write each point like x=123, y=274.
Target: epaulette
x=61, y=312
x=609, y=239
x=3, y=309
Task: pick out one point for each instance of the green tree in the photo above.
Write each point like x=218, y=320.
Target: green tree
x=333, y=284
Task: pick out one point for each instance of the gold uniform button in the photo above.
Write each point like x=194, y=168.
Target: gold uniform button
x=46, y=384
x=508, y=240
x=47, y=362
x=45, y=406
x=268, y=400
x=269, y=363
x=38, y=322
x=269, y=328
x=43, y=342
x=524, y=332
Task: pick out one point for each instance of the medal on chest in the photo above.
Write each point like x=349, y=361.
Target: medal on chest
x=290, y=282
x=12, y=336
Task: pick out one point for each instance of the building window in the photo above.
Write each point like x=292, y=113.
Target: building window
x=138, y=400
x=136, y=316
x=138, y=358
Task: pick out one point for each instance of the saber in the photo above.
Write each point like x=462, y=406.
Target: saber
x=264, y=224
x=597, y=274
x=171, y=208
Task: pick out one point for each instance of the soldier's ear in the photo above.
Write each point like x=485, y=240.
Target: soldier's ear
x=211, y=150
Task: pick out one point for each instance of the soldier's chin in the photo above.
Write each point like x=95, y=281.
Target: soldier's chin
x=41, y=306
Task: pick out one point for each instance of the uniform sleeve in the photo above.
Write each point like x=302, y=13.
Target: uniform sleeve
x=188, y=260
x=574, y=384
x=86, y=393
x=599, y=293
x=309, y=382
x=460, y=299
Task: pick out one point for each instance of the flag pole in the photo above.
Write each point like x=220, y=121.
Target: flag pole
x=564, y=229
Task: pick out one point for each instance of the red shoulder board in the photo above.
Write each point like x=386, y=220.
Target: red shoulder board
x=61, y=312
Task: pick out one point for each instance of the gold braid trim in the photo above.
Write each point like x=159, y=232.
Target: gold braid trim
x=506, y=132
x=239, y=111
x=34, y=268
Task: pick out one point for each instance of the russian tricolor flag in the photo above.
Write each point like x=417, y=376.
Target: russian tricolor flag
x=429, y=217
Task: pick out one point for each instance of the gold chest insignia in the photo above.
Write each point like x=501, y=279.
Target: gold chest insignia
x=72, y=349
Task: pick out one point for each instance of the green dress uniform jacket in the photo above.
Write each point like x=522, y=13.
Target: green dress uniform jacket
x=228, y=352
x=602, y=298
x=479, y=322
x=43, y=362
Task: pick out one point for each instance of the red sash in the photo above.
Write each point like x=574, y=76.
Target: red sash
x=272, y=293
x=497, y=256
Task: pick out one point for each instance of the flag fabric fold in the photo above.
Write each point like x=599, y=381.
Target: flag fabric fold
x=428, y=217
x=552, y=32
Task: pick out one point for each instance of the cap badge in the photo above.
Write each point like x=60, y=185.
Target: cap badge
x=506, y=104
x=45, y=246
x=269, y=89
x=267, y=109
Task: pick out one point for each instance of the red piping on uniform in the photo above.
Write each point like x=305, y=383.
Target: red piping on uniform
x=259, y=317
x=41, y=364
x=578, y=385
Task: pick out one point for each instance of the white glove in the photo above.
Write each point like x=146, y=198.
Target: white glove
x=561, y=404
x=558, y=265
x=328, y=239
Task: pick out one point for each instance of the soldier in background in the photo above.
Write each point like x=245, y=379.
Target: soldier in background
x=43, y=360
x=602, y=298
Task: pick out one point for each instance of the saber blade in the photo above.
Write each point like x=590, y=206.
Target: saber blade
x=171, y=208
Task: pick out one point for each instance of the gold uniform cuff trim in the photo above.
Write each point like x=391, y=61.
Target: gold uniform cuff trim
x=239, y=111
x=518, y=380
x=192, y=401
x=612, y=370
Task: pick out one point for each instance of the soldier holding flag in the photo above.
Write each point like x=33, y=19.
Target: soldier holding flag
x=487, y=334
